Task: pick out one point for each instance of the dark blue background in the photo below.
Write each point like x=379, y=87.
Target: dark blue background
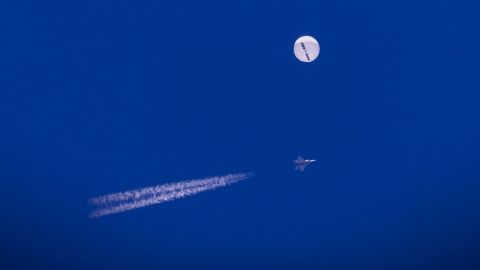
x=105, y=96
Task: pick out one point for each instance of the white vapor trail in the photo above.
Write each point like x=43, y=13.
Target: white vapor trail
x=137, y=198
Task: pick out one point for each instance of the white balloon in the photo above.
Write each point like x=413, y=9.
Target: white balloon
x=306, y=49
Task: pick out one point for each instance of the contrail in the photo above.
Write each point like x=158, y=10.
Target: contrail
x=137, y=198
x=150, y=191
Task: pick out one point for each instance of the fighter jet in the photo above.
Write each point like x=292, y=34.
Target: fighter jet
x=301, y=163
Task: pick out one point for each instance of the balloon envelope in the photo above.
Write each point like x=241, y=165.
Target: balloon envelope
x=306, y=49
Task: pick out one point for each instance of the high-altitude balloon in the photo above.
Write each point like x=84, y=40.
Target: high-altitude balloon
x=306, y=49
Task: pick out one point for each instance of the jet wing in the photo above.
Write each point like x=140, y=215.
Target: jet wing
x=300, y=167
x=299, y=160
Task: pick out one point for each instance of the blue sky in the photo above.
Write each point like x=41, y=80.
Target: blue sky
x=99, y=97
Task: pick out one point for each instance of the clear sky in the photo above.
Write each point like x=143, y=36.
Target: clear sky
x=106, y=96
